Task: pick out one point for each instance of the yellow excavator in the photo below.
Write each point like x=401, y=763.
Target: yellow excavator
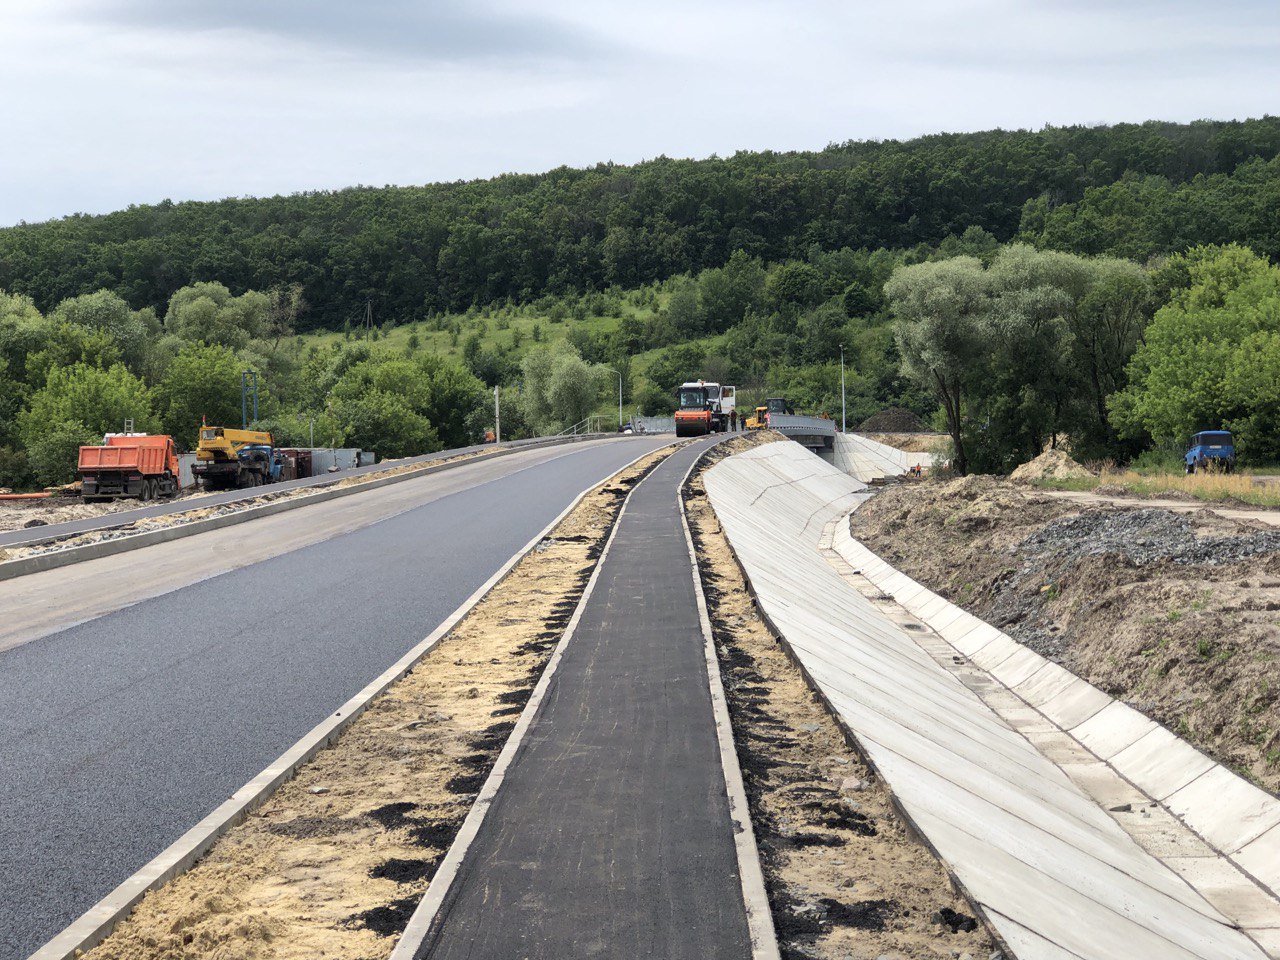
x=228, y=458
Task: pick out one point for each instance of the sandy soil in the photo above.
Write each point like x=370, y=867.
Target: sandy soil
x=1050, y=465
x=845, y=881
x=74, y=510
x=1176, y=614
x=913, y=442
x=335, y=862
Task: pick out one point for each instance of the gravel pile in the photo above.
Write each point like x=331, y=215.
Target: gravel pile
x=1143, y=537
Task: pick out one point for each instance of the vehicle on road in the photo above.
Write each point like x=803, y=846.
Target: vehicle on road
x=137, y=465
x=760, y=420
x=228, y=458
x=696, y=412
x=704, y=407
x=1211, y=450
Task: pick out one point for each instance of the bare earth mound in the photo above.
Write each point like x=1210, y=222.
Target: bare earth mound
x=1050, y=465
x=1178, y=615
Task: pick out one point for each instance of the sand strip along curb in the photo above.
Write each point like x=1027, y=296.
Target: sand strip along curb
x=764, y=939
x=106, y=548
x=97, y=922
x=430, y=909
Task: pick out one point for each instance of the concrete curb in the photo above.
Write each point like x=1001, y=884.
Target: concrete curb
x=96, y=924
x=106, y=548
x=764, y=939
x=432, y=908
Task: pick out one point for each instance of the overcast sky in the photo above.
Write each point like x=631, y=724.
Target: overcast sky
x=104, y=103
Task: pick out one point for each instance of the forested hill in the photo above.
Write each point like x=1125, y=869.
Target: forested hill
x=1132, y=190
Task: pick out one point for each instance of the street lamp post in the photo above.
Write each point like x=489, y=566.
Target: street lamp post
x=842, y=424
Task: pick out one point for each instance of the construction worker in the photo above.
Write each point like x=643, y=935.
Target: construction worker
x=733, y=421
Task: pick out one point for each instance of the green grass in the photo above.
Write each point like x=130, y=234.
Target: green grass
x=1210, y=487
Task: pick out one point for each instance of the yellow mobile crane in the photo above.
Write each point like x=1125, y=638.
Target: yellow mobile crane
x=227, y=458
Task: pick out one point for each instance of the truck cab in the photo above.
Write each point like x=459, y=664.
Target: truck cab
x=1211, y=450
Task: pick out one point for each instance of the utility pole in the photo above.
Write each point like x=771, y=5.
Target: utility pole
x=245, y=378
x=368, y=320
x=313, y=431
x=842, y=426
x=497, y=417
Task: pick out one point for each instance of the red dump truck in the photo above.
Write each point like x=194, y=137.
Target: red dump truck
x=129, y=465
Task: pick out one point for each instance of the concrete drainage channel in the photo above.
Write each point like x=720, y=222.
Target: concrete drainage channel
x=269, y=852
x=846, y=875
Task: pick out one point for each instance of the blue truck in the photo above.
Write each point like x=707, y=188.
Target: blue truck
x=1211, y=450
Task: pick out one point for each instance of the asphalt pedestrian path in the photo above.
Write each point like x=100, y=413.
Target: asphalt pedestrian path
x=610, y=836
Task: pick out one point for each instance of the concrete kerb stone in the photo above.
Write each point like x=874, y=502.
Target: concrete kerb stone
x=96, y=924
x=106, y=548
x=764, y=940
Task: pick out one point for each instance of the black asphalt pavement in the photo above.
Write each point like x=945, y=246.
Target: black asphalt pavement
x=611, y=836
x=55, y=531
x=119, y=734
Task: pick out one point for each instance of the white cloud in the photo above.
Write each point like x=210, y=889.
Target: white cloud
x=138, y=100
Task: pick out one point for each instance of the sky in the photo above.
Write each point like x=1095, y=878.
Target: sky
x=107, y=103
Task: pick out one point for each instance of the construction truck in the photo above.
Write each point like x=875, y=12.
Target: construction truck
x=136, y=465
x=760, y=420
x=227, y=459
x=696, y=412
x=704, y=407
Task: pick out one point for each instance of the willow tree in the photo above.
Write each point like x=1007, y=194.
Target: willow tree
x=941, y=310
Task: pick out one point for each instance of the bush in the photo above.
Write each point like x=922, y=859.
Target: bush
x=55, y=453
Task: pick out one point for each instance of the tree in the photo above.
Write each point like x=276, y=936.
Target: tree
x=82, y=402
x=203, y=383
x=208, y=312
x=384, y=423
x=559, y=388
x=105, y=311
x=1205, y=357
x=940, y=309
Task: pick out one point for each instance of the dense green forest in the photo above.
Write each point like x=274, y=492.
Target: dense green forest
x=1004, y=284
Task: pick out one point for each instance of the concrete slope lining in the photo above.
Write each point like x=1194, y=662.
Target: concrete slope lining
x=119, y=734
x=866, y=460
x=611, y=834
x=1053, y=874
x=1226, y=827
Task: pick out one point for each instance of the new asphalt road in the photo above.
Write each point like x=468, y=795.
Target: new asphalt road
x=119, y=733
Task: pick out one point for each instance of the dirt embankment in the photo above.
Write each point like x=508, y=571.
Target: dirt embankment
x=335, y=862
x=1176, y=614
x=845, y=881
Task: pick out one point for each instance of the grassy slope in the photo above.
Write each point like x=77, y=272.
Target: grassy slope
x=498, y=332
